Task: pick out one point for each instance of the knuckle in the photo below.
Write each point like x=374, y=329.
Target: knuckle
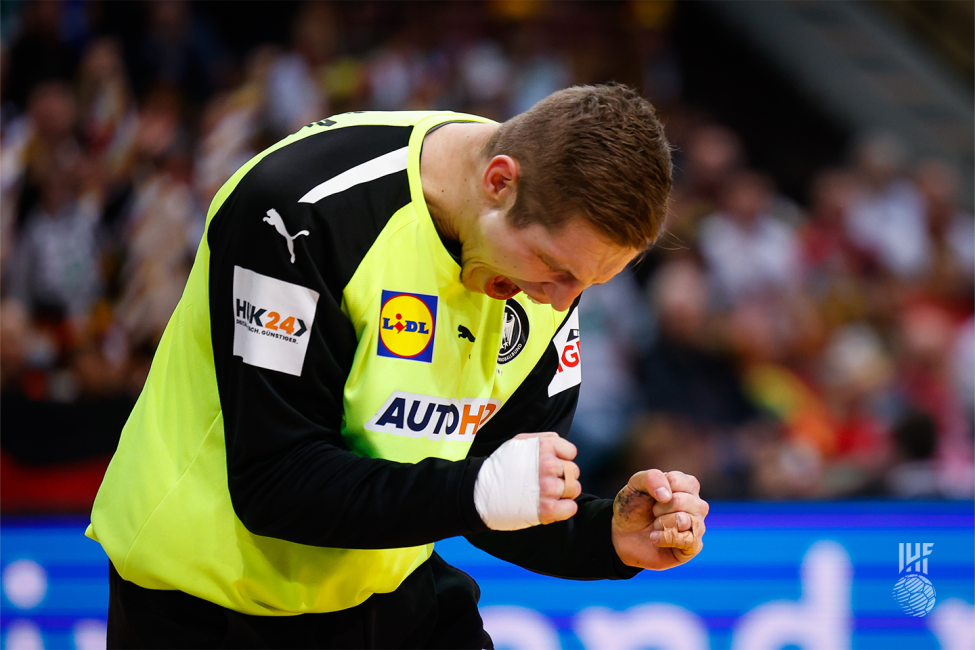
x=553, y=511
x=550, y=487
x=571, y=469
x=548, y=466
x=572, y=489
x=570, y=450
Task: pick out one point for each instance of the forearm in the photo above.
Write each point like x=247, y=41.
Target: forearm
x=579, y=548
x=320, y=495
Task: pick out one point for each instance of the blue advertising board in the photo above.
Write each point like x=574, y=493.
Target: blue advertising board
x=814, y=576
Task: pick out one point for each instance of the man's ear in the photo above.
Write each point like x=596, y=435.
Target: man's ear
x=500, y=180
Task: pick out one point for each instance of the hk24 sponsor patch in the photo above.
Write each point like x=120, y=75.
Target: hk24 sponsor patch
x=271, y=321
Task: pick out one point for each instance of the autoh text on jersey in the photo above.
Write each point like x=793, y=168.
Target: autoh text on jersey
x=435, y=418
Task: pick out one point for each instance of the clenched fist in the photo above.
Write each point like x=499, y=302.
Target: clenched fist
x=658, y=519
x=558, y=476
x=529, y=480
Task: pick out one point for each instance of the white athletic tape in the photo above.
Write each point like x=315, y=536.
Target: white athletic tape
x=506, y=489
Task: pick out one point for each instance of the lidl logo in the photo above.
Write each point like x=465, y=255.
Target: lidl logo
x=435, y=418
x=406, y=325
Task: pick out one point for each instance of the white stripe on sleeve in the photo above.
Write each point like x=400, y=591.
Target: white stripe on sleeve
x=384, y=165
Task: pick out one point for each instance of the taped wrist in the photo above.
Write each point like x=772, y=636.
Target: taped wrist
x=506, y=490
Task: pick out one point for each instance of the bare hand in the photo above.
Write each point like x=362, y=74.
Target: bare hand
x=663, y=530
x=558, y=477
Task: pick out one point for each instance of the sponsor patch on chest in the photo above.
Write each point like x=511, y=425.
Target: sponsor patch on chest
x=436, y=418
x=566, y=342
x=407, y=322
x=271, y=321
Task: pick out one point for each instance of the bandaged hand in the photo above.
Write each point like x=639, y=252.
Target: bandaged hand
x=658, y=519
x=529, y=480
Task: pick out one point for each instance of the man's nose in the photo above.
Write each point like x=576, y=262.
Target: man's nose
x=563, y=295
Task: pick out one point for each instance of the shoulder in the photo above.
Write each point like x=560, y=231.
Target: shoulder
x=291, y=171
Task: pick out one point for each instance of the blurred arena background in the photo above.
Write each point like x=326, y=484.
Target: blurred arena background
x=801, y=339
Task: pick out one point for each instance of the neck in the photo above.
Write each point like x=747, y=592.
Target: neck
x=451, y=165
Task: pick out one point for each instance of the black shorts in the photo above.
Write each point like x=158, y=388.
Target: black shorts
x=435, y=607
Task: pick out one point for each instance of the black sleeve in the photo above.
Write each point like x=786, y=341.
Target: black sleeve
x=579, y=548
x=290, y=474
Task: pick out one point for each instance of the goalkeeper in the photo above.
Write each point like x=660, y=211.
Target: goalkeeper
x=378, y=347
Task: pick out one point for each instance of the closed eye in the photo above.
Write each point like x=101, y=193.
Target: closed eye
x=566, y=276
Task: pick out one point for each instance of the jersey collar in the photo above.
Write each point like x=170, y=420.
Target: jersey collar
x=442, y=255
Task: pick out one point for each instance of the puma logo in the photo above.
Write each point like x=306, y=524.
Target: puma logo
x=464, y=333
x=275, y=220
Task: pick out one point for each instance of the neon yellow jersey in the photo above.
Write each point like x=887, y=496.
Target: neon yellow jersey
x=305, y=433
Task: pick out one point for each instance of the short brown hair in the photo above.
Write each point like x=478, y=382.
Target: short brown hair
x=596, y=151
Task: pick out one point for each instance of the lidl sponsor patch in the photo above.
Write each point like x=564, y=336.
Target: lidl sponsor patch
x=271, y=321
x=407, y=322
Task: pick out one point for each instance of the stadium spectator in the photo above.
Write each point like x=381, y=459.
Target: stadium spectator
x=40, y=53
x=963, y=365
x=180, y=53
x=55, y=271
x=749, y=252
x=951, y=271
x=829, y=255
x=710, y=154
x=926, y=335
x=685, y=372
x=915, y=473
x=887, y=216
x=294, y=94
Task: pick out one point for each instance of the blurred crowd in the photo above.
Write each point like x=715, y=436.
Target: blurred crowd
x=784, y=350
x=805, y=347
